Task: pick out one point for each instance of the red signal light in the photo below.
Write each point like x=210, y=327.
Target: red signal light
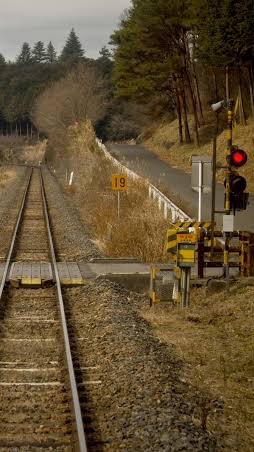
x=238, y=158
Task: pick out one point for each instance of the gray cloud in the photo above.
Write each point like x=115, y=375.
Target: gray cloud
x=33, y=20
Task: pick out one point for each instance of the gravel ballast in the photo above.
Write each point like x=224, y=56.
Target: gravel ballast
x=141, y=403
x=72, y=242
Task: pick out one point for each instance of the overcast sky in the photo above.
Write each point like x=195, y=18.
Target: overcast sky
x=52, y=20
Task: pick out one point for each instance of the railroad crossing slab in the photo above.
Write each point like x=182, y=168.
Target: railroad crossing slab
x=39, y=274
x=129, y=273
x=32, y=274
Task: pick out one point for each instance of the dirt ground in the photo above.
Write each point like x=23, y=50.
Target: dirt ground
x=215, y=340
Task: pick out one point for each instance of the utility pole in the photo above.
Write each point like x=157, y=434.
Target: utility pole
x=227, y=202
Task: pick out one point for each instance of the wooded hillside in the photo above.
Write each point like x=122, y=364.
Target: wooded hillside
x=22, y=82
x=186, y=54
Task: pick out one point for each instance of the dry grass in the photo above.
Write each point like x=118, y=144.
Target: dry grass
x=33, y=153
x=164, y=142
x=6, y=176
x=14, y=149
x=215, y=339
x=141, y=229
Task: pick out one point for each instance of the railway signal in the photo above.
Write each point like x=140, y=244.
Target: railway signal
x=237, y=184
x=237, y=157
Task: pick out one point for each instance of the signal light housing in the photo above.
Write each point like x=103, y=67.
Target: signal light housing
x=237, y=183
x=237, y=157
x=239, y=201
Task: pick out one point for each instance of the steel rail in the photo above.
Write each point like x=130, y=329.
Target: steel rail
x=14, y=235
x=74, y=391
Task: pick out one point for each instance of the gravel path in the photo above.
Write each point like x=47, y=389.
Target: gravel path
x=137, y=399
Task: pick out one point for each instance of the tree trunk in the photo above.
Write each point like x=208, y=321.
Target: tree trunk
x=178, y=110
x=250, y=72
x=185, y=117
x=194, y=108
x=179, y=115
x=196, y=84
x=192, y=75
x=216, y=94
x=227, y=84
x=241, y=106
x=16, y=128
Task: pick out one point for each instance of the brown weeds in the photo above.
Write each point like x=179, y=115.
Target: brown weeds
x=140, y=230
x=218, y=350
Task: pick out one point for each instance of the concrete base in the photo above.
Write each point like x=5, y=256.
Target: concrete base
x=129, y=273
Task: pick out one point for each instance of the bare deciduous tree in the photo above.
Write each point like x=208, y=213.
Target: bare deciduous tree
x=75, y=98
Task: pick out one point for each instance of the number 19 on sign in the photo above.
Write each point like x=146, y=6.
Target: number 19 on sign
x=119, y=183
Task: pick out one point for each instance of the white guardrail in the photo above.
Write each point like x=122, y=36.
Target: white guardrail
x=163, y=202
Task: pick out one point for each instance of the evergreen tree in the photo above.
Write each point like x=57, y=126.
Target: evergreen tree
x=105, y=64
x=51, y=54
x=2, y=60
x=209, y=24
x=152, y=56
x=38, y=53
x=105, y=53
x=72, y=52
x=25, y=56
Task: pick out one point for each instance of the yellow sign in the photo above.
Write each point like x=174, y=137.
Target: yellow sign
x=185, y=237
x=119, y=182
x=185, y=254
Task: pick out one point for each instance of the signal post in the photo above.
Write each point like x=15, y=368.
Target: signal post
x=235, y=197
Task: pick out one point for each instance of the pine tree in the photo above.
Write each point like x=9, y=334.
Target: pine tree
x=38, y=53
x=152, y=56
x=105, y=53
x=2, y=60
x=51, y=54
x=25, y=56
x=72, y=52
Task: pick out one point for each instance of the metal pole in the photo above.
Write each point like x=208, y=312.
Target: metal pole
x=229, y=149
x=213, y=192
x=188, y=275
x=227, y=192
x=118, y=205
x=200, y=183
x=185, y=287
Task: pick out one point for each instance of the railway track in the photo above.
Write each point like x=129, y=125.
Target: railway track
x=39, y=399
